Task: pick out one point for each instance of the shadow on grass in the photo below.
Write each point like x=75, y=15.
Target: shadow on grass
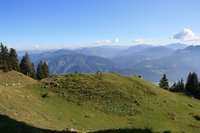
x=9, y=125
x=125, y=131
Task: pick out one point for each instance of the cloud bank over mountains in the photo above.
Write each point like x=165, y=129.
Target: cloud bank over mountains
x=186, y=36
x=108, y=42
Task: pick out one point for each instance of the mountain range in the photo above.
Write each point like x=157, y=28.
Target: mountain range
x=150, y=62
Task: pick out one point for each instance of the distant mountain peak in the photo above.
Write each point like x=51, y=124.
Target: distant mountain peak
x=193, y=48
x=176, y=46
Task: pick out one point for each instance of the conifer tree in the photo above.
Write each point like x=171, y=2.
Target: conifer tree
x=40, y=74
x=25, y=66
x=173, y=87
x=14, y=59
x=192, y=84
x=33, y=73
x=45, y=70
x=1, y=56
x=181, y=86
x=42, y=70
x=5, y=59
x=178, y=87
x=164, y=82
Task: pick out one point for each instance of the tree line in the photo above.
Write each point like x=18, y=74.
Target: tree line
x=190, y=87
x=9, y=61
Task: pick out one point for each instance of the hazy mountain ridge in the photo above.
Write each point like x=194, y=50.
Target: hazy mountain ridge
x=151, y=62
x=145, y=54
x=176, y=46
x=75, y=62
x=101, y=51
x=176, y=66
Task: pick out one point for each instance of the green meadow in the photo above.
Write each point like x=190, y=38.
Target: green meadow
x=100, y=101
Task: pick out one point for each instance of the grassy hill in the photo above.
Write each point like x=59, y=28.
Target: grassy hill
x=99, y=101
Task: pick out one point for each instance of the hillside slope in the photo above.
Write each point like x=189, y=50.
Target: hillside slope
x=98, y=102
x=14, y=79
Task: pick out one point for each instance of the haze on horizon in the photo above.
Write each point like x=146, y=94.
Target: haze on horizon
x=37, y=24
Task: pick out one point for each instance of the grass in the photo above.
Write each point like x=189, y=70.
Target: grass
x=8, y=125
x=100, y=101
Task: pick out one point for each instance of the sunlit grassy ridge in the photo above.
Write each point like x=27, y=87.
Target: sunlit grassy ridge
x=97, y=102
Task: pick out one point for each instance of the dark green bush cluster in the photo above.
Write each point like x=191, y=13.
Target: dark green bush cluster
x=191, y=87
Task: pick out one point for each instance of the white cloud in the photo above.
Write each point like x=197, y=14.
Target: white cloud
x=36, y=47
x=143, y=41
x=186, y=35
x=139, y=41
x=103, y=42
x=116, y=40
x=108, y=42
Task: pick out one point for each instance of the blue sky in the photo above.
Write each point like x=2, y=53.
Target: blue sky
x=73, y=23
